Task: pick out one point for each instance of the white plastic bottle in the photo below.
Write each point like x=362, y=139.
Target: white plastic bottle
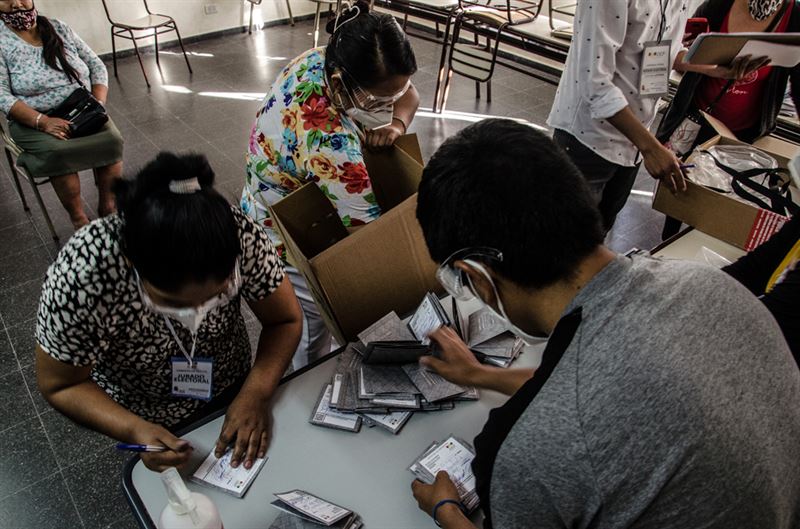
x=186, y=509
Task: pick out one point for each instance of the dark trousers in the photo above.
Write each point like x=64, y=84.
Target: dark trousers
x=609, y=183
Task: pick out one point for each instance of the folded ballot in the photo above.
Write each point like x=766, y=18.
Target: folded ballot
x=302, y=510
x=454, y=456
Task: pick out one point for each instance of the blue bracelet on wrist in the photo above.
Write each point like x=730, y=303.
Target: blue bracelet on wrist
x=445, y=502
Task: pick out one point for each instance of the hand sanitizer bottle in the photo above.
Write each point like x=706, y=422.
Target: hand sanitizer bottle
x=186, y=509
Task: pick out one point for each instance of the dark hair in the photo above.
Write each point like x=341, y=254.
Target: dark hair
x=174, y=239
x=504, y=185
x=368, y=46
x=53, y=48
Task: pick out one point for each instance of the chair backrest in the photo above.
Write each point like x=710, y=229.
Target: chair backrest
x=504, y=12
x=121, y=10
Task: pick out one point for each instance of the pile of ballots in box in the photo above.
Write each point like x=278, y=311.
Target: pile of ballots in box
x=379, y=382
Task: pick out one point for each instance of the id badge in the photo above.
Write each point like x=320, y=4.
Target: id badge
x=654, y=69
x=190, y=381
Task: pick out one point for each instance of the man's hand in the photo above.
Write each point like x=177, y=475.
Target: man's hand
x=428, y=496
x=662, y=164
x=178, y=452
x=456, y=363
x=55, y=127
x=247, y=427
x=384, y=136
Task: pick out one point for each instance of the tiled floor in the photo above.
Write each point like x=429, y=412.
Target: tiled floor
x=56, y=474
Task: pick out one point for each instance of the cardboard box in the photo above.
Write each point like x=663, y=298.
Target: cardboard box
x=742, y=224
x=385, y=266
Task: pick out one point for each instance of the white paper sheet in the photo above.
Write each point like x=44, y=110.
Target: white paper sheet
x=780, y=54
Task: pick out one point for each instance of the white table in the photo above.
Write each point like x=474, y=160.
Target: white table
x=366, y=472
x=688, y=244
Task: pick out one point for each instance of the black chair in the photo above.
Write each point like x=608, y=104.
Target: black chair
x=149, y=25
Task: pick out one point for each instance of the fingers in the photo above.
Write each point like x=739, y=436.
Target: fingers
x=434, y=364
x=253, y=446
x=225, y=438
x=442, y=475
x=160, y=461
x=262, y=449
x=175, y=444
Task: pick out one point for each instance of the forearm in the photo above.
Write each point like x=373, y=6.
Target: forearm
x=627, y=123
x=100, y=92
x=406, y=106
x=506, y=381
x=276, y=346
x=87, y=404
x=25, y=115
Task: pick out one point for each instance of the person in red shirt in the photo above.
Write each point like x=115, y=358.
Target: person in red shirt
x=746, y=95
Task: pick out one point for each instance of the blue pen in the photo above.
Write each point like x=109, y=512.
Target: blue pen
x=140, y=448
x=687, y=166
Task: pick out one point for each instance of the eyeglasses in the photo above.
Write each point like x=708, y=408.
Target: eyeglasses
x=368, y=101
x=455, y=281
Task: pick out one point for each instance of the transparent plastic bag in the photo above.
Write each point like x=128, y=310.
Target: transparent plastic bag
x=738, y=157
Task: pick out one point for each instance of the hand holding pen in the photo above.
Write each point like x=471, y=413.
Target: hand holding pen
x=158, y=447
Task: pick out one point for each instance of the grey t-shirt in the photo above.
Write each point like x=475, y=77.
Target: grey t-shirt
x=677, y=405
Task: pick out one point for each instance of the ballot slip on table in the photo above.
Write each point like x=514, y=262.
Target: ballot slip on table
x=365, y=472
x=388, y=328
x=288, y=520
x=454, y=456
x=313, y=507
x=392, y=422
x=219, y=474
x=328, y=417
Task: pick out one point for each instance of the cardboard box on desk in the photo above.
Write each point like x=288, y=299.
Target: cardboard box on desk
x=742, y=224
x=384, y=266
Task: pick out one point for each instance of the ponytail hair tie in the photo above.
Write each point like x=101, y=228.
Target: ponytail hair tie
x=185, y=187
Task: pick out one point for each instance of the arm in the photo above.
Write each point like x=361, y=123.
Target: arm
x=246, y=421
x=70, y=390
x=98, y=73
x=448, y=515
x=404, y=111
x=458, y=365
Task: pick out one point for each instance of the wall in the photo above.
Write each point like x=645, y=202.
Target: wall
x=89, y=20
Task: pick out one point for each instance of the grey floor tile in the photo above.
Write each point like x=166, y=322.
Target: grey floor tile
x=44, y=505
x=23, y=266
x=126, y=522
x=19, y=304
x=8, y=360
x=39, y=403
x=18, y=238
x=72, y=443
x=27, y=457
x=96, y=486
x=23, y=340
x=15, y=401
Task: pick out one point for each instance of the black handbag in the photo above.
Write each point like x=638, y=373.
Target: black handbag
x=84, y=112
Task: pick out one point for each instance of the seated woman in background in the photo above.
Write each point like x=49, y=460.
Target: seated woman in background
x=746, y=96
x=40, y=59
x=140, y=331
x=324, y=108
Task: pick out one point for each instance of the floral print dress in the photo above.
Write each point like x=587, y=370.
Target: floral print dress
x=298, y=137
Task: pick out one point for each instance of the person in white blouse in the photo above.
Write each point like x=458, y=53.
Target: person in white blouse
x=601, y=113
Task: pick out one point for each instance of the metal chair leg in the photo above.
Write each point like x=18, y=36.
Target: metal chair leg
x=250, y=27
x=180, y=41
x=477, y=89
x=114, y=52
x=291, y=16
x=44, y=209
x=139, y=56
x=489, y=91
x=442, y=59
x=155, y=38
x=405, y=21
x=316, y=24
x=17, y=185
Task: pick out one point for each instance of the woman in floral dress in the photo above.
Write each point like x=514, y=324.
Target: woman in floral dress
x=324, y=107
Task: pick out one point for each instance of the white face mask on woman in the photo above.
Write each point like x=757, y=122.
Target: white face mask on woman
x=192, y=317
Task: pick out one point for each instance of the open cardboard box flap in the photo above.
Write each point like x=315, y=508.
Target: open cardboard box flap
x=359, y=277
x=741, y=224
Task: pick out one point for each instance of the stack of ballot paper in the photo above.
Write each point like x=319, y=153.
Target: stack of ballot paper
x=218, y=473
x=379, y=382
x=455, y=457
x=302, y=510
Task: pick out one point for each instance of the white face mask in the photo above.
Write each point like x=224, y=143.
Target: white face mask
x=192, y=317
x=371, y=119
x=501, y=315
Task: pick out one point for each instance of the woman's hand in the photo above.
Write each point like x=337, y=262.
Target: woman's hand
x=740, y=68
x=178, y=452
x=55, y=127
x=384, y=136
x=247, y=427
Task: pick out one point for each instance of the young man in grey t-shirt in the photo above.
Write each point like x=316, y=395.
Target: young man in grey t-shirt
x=667, y=396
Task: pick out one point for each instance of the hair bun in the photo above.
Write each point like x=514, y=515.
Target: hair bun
x=348, y=14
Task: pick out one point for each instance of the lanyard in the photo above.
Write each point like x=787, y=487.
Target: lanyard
x=189, y=356
x=662, y=26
